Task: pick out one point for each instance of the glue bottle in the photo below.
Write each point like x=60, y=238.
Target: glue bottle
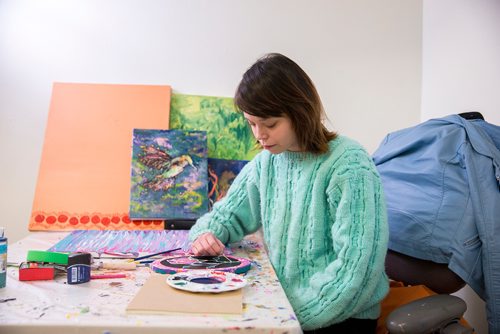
x=3, y=258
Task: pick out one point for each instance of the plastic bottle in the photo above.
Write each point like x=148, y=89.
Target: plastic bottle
x=3, y=258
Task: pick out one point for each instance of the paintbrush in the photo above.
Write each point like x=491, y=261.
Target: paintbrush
x=115, y=265
x=154, y=254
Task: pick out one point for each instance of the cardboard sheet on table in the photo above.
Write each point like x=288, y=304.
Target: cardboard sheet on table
x=156, y=296
x=84, y=175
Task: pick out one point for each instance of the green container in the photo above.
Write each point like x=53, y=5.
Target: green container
x=48, y=257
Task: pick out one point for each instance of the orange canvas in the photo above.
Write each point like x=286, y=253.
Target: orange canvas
x=84, y=175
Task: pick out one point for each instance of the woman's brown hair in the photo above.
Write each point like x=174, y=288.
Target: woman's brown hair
x=276, y=86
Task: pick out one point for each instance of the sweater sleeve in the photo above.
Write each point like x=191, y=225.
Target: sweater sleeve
x=355, y=279
x=235, y=215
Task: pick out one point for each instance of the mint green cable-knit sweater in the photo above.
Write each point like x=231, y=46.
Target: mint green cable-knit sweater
x=324, y=222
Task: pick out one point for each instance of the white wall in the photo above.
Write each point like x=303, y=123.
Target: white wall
x=364, y=56
x=461, y=58
x=461, y=72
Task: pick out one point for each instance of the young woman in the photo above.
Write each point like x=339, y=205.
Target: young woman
x=317, y=197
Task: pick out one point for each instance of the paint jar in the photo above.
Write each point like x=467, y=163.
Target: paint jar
x=3, y=258
x=78, y=269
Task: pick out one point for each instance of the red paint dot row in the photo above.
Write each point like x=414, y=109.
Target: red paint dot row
x=95, y=219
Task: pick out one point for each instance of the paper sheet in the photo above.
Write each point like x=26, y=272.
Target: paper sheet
x=156, y=296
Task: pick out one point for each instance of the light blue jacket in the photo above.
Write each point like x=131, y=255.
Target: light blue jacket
x=441, y=179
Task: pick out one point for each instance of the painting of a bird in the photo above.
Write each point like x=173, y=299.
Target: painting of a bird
x=168, y=174
x=167, y=166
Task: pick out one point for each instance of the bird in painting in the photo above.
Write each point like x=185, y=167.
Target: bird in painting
x=167, y=166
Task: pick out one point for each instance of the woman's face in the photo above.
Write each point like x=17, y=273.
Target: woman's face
x=275, y=134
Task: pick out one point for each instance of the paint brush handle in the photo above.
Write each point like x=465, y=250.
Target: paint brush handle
x=159, y=253
x=119, y=265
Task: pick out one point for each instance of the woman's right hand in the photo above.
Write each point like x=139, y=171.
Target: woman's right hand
x=207, y=244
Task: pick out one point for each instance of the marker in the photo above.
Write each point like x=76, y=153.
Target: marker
x=101, y=276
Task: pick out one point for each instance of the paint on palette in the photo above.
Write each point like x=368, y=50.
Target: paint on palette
x=133, y=241
x=175, y=264
x=212, y=281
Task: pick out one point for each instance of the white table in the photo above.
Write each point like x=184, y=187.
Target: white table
x=99, y=306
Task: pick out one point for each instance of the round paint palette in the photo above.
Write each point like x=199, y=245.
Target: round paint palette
x=175, y=264
x=206, y=281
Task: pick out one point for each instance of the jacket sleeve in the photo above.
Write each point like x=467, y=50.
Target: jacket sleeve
x=484, y=189
x=235, y=215
x=355, y=280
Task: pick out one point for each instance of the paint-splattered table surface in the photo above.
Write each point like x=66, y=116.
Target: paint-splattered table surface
x=99, y=306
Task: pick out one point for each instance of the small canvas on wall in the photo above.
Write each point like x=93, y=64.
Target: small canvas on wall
x=221, y=174
x=169, y=174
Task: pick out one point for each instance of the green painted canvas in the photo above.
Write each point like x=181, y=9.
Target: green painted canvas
x=228, y=135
